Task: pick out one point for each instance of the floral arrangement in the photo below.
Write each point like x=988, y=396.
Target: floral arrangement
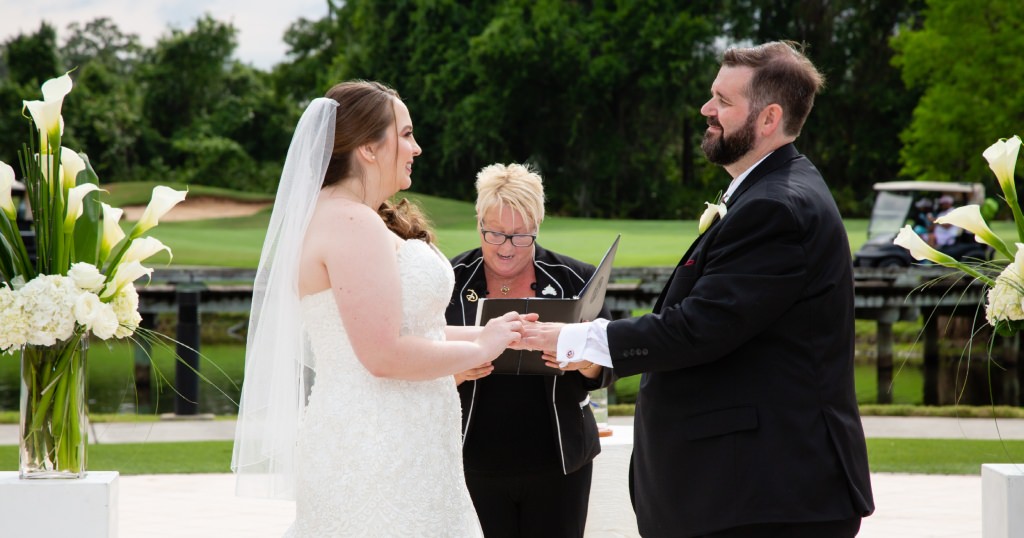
x=80, y=282
x=1004, y=308
x=83, y=274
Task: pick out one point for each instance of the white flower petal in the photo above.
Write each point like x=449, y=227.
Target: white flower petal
x=164, y=199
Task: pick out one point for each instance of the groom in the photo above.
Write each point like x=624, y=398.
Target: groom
x=746, y=420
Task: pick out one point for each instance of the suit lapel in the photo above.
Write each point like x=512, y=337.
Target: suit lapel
x=778, y=157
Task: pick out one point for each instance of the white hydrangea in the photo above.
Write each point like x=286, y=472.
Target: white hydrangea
x=13, y=323
x=1005, y=298
x=48, y=304
x=126, y=307
x=87, y=277
x=95, y=315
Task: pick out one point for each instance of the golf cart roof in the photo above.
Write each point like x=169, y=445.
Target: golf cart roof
x=930, y=186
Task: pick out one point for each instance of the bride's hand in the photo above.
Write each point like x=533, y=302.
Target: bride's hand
x=502, y=332
x=529, y=320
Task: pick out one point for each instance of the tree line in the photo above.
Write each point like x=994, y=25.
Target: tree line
x=602, y=96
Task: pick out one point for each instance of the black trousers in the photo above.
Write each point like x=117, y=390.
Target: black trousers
x=541, y=506
x=846, y=528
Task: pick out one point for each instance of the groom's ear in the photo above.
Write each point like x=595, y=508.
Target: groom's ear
x=770, y=120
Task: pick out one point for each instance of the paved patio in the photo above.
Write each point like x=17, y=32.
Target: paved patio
x=198, y=506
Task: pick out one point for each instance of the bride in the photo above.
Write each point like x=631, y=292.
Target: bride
x=349, y=404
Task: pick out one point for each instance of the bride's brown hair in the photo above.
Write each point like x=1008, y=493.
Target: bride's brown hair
x=365, y=112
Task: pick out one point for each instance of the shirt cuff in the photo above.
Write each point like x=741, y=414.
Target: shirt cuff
x=584, y=341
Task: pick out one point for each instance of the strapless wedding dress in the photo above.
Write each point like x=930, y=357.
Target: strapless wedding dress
x=382, y=457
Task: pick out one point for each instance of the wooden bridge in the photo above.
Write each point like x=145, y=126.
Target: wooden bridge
x=883, y=295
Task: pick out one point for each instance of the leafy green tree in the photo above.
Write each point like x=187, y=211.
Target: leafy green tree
x=598, y=95
x=101, y=41
x=28, y=61
x=312, y=46
x=852, y=135
x=184, y=75
x=32, y=58
x=966, y=60
x=210, y=119
x=105, y=111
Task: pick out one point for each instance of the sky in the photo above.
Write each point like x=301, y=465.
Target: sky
x=260, y=23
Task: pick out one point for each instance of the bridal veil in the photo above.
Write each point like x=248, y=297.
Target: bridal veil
x=278, y=360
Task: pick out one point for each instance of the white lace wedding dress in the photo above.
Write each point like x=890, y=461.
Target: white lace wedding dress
x=381, y=457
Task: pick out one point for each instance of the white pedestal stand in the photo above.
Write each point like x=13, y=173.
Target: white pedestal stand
x=1002, y=500
x=83, y=508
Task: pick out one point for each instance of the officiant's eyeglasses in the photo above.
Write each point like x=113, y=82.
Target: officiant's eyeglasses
x=518, y=240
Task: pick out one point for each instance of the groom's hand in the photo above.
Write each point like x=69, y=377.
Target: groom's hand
x=527, y=320
x=542, y=337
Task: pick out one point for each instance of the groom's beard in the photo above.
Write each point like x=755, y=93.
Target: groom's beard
x=724, y=150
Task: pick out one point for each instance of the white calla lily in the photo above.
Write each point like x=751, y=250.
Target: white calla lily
x=46, y=113
x=1002, y=159
x=164, y=199
x=919, y=249
x=112, y=232
x=126, y=273
x=6, y=184
x=71, y=163
x=143, y=248
x=708, y=217
x=969, y=218
x=74, y=209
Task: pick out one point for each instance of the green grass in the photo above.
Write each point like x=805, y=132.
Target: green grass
x=940, y=456
x=236, y=242
x=148, y=458
x=907, y=386
x=923, y=456
x=139, y=193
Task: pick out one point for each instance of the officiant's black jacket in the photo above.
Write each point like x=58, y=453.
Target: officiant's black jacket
x=572, y=419
x=747, y=412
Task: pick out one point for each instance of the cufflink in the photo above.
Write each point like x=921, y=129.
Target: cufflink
x=569, y=354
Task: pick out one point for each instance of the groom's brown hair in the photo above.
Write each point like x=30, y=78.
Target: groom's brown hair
x=782, y=75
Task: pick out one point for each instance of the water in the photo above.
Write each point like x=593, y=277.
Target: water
x=112, y=369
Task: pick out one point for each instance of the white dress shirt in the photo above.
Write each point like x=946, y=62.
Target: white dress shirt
x=589, y=340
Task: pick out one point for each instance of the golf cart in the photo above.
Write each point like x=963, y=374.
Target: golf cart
x=899, y=203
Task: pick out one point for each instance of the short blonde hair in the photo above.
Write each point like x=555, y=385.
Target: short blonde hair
x=514, y=186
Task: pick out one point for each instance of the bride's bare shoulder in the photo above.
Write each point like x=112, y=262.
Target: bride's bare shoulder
x=343, y=223
x=336, y=215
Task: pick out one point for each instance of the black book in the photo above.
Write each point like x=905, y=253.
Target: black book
x=584, y=307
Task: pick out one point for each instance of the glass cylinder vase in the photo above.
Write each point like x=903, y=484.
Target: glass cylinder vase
x=54, y=422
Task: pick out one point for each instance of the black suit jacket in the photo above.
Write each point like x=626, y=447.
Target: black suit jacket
x=746, y=412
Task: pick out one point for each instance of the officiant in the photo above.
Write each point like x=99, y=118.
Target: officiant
x=528, y=440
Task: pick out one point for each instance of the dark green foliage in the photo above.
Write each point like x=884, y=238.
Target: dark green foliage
x=32, y=59
x=852, y=135
x=963, y=56
x=603, y=96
